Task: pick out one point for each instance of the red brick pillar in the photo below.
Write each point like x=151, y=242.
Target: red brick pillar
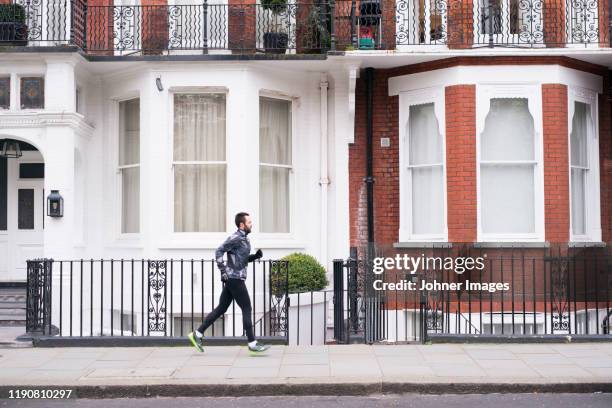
x=555, y=30
x=388, y=24
x=461, y=162
x=460, y=24
x=556, y=167
x=100, y=27
x=242, y=25
x=155, y=26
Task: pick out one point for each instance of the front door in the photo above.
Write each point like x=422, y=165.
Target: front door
x=25, y=208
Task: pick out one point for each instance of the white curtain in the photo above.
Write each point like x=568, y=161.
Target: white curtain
x=425, y=151
x=507, y=195
x=579, y=165
x=199, y=188
x=274, y=149
x=129, y=155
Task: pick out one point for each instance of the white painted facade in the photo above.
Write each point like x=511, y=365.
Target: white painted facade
x=80, y=155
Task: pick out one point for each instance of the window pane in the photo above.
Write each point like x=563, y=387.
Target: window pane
x=578, y=202
x=274, y=131
x=5, y=93
x=32, y=93
x=130, y=214
x=509, y=131
x=199, y=127
x=427, y=200
x=31, y=170
x=490, y=16
x=425, y=141
x=274, y=199
x=507, y=199
x=199, y=198
x=129, y=135
x=578, y=137
x=25, y=209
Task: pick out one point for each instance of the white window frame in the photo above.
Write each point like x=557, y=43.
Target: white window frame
x=119, y=177
x=406, y=100
x=533, y=94
x=592, y=182
x=201, y=234
x=292, y=181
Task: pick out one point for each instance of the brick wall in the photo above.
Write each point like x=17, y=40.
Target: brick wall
x=461, y=162
x=461, y=154
x=100, y=27
x=556, y=167
x=241, y=25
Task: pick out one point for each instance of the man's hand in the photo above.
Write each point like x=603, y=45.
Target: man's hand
x=224, y=276
x=255, y=256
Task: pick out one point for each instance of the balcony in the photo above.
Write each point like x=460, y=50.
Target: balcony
x=297, y=27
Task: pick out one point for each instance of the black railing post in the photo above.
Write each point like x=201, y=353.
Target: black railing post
x=205, y=19
x=338, y=300
x=38, y=296
x=84, y=25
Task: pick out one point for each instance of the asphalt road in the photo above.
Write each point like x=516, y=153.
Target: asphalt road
x=405, y=400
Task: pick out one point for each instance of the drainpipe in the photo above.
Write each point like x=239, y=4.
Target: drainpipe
x=323, y=180
x=369, y=179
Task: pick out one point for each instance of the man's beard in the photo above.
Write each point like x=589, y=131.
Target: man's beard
x=247, y=230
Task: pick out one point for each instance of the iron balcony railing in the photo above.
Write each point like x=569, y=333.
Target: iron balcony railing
x=305, y=26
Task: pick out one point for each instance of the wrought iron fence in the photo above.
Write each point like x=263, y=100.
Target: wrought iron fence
x=149, y=298
x=550, y=292
x=305, y=27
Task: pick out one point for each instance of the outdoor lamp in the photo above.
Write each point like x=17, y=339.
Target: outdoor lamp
x=55, y=204
x=158, y=82
x=11, y=149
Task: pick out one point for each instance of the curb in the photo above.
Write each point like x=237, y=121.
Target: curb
x=313, y=389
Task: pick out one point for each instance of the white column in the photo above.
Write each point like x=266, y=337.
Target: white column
x=60, y=85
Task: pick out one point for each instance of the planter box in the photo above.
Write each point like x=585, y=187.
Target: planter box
x=302, y=321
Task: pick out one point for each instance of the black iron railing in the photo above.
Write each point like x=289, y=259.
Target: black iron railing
x=305, y=26
x=149, y=298
x=550, y=292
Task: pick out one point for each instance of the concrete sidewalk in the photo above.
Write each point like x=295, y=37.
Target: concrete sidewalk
x=313, y=370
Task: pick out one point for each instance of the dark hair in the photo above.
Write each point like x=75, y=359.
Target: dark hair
x=240, y=217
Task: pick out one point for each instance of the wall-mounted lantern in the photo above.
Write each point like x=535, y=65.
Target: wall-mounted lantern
x=10, y=149
x=55, y=204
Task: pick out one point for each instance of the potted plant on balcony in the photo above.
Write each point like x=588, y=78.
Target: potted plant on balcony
x=13, y=30
x=275, y=39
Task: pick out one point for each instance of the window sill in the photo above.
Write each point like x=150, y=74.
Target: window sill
x=585, y=244
x=493, y=244
x=422, y=244
x=214, y=244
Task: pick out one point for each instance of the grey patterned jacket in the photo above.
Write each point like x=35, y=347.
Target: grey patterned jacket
x=238, y=249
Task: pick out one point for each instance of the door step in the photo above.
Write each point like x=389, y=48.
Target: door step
x=12, y=306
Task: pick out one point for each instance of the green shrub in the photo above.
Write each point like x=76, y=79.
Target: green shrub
x=305, y=274
x=12, y=13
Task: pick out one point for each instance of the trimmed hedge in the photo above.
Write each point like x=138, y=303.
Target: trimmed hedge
x=306, y=274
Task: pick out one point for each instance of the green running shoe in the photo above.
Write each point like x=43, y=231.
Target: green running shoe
x=258, y=348
x=197, y=342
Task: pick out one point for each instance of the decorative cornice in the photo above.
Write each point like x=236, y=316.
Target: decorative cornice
x=73, y=120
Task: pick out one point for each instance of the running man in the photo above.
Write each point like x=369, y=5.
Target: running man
x=233, y=275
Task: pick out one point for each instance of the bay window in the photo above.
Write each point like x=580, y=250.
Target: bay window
x=584, y=164
x=510, y=179
x=422, y=169
x=275, y=164
x=199, y=162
